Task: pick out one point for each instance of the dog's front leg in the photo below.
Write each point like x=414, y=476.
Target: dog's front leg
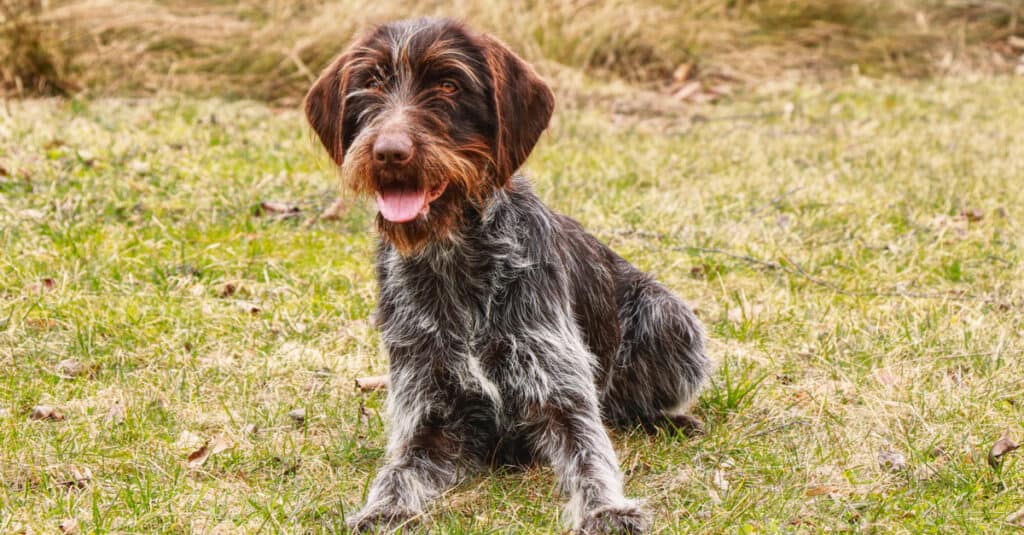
x=422, y=465
x=569, y=433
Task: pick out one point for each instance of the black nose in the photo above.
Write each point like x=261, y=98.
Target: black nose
x=392, y=148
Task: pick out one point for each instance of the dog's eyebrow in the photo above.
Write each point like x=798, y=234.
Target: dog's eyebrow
x=363, y=57
x=447, y=53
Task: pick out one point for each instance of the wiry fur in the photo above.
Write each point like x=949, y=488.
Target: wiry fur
x=513, y=335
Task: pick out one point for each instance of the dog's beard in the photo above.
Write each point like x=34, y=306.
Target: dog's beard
x=426, y=200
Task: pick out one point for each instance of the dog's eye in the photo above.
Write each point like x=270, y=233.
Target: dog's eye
x=373, y=85
x=448, y=86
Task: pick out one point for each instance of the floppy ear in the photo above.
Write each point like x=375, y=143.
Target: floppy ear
x=523, y=103
x=325, y=107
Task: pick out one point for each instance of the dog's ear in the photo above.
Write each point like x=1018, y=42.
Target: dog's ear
x=523, y=104
x=325, y=106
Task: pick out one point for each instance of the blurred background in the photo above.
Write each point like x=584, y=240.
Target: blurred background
x=695, y=51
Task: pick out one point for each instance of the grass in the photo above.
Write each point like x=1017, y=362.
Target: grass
x=855, y=252
x=273, y=50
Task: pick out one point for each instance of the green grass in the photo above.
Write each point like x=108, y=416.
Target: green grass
x=822, y=234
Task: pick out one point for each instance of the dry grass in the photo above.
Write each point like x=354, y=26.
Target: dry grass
x=855, y=253
x=272, y=50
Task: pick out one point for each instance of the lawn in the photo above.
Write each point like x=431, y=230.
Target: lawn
x=855, y=251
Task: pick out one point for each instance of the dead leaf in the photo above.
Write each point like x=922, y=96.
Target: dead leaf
x=682, y=72
x=139, y=166
x=227, y=289
x=71, y=368
x=1017, y=518
x=116, y=414
x=251, y=308
x=298, y=415
x=46, y=412
x=79, y=478
x=973, y=214
x=209, y=448
x=198, y=457
x=927, y=471
x=819, y=490
x=884, y=377
x=1001, y=447
x=892, y=460
x=68, y=526
x=335, y=210
x=718, y=478
x=44, y=285
x=278, y=208
x=188, y=440
x=688, y=91
x=251, y=429
x=37, y=323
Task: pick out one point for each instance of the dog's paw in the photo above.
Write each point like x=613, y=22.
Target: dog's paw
x=381, y=519
x=690, y=425
x=615, y=520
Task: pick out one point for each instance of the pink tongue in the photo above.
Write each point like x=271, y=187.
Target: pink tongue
x=401, y=205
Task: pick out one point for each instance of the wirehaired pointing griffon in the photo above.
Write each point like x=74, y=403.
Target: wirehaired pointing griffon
x=513, y=335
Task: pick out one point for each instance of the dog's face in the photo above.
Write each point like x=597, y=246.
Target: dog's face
x=429, y=118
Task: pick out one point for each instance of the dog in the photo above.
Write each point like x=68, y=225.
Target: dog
x=513, y=336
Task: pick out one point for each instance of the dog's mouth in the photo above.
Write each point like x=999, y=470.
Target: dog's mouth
x=401, y=203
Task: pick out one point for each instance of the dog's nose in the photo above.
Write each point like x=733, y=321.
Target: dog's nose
x=392, y=148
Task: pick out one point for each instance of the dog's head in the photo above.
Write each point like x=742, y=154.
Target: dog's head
x=429, y=118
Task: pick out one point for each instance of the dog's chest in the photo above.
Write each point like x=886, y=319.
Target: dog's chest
x=457, y=305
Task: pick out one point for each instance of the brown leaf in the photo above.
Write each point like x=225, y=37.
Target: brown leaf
x=198, y=457
x=819, y=490
x=298, y=415
x=251, y=308
x=928, y=471
x=116, y=414
x=227, y=289
x=68, y=526
x=219, y=445
x=278, y=208
x=688, y=91
x=79, y=478
x=335, y=210
x=973, y=214
x=892, y=460
x=44, y=285
x=1017, y=518
x=209, y=448
x=682, y=72
x=251, y=429
x=719, y=479
x=71, y=368
x=41, y=324
x=46, y=412
x=1001, y=447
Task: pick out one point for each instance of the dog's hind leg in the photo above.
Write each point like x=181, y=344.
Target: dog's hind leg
x=661, y=364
